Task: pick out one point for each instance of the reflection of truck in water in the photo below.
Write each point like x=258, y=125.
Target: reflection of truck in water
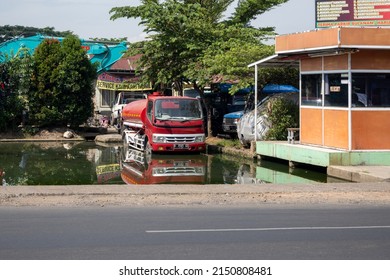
x=164, y=124
x=162, y=169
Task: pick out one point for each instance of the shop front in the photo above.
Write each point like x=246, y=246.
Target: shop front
x=344, y=96
x=344, y=85
x=120, y=78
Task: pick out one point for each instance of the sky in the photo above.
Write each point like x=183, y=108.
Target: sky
x=91, y=18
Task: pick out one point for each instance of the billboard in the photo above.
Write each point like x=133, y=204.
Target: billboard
x=352, y=13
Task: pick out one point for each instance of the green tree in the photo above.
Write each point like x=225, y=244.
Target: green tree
x=14, y=85
x=10, y=104
x=8, y=32
x=62, y=83
x=189, y=40
x=187, y=37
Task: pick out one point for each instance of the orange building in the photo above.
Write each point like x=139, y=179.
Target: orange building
x=344, y=85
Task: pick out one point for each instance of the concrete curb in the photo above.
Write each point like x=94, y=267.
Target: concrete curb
x=361, y=173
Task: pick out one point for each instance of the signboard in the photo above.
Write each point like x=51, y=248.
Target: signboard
x=121, y=83
x=122, y=86
x=352, y=13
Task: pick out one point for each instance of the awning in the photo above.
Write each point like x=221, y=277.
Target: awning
x=291, y=59
x=278, y=60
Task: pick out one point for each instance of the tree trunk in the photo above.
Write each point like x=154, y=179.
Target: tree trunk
x=207, y=106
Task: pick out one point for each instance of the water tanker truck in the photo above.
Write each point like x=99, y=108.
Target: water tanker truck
x=164, y=124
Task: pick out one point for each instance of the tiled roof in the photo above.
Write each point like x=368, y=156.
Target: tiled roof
x=126, y=63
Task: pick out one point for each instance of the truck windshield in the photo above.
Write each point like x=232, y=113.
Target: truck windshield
x=178, y=109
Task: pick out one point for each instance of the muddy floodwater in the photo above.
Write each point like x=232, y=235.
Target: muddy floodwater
x=84, y=163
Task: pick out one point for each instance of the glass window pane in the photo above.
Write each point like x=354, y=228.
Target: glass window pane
x=311, y=90
x=108, y=97
x=336, y=90
x=371, y=89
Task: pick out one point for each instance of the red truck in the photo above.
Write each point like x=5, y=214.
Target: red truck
x=164, y=124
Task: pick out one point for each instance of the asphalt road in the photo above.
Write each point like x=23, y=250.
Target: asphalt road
x=196, y=233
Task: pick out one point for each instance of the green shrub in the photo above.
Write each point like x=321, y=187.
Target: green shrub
x=62, y=84
x=283, y=114
x=10, y=103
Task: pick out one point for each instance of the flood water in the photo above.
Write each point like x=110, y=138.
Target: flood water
x=76, y=163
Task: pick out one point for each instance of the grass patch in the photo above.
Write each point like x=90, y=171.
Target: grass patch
x=229, y=143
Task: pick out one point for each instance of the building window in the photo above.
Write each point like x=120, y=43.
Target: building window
x=311, y=89
x=108, y=98
x=336, y=90
x=371, y=89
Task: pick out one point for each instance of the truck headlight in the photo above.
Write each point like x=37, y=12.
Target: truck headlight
x=158, y=139
x=199, y=138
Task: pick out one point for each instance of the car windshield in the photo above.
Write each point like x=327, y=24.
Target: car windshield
x=178, y=109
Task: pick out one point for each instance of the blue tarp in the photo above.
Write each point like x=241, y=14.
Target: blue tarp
x=268, y=89
x=274, y=88
x=224, y=88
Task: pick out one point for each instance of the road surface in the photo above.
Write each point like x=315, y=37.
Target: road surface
x=170, y=233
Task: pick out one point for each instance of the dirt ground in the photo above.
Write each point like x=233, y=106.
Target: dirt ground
x=354, y=194
x=42, y=134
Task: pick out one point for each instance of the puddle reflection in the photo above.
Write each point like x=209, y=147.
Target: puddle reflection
x=86, y=163
x=163, y=169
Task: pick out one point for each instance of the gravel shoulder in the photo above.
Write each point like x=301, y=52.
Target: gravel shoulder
x=357, y=194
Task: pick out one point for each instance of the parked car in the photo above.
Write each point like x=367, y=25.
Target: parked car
x=246, y=124
x=229, y=123
x=230, y=120
x=235, y=111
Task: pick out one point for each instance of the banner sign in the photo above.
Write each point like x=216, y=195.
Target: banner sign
x=121, y=83
x=122, y=86
x=352, y=13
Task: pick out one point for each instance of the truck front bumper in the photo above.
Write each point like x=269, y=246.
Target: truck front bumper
x=178, y=147
x=178, y=143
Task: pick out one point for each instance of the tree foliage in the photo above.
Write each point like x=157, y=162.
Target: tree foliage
x=109, y=40
x=10, y=103
x=192, y=41
x=189, y=40
x=8, y=32
x=62, y=83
